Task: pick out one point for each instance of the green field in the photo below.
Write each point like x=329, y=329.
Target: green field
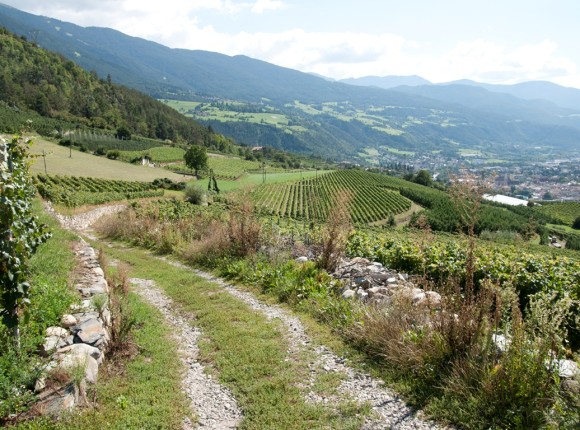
x=58, y=162
x=159, y=154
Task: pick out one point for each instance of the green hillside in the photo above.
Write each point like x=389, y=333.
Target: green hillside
x=41, y=82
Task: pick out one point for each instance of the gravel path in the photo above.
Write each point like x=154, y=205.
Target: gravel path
x=214, y=404
x=389, y=410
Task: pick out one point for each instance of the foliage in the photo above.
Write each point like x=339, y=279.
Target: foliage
x=50, y=297
x=196, y=158
x=335, y=232
x=576, y=224
x=20, y=233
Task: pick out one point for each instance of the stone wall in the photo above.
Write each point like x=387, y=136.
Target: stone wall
x=77, y=347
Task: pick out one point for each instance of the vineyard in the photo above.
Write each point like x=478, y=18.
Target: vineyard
x=74, y=191
x=312, y=199
x=565, y=212
x=158, y=154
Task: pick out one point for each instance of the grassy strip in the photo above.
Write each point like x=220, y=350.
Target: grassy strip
x=143, y=394
x=248, y=352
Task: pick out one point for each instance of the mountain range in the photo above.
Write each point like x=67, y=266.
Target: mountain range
x=336, y=119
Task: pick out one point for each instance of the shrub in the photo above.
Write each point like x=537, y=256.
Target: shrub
x=573, y=242
x=193, y=193
x=113, y=154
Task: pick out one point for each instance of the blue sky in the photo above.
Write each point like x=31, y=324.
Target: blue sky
x=492, y=41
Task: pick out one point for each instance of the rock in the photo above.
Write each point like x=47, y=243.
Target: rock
x=68, y=321
x=54, y=404
x=361, y=281
x=571, y=387
x=56, y=331
x=81, y=349
x=391, y=280
x=373, y=291
x=50, y=344
x=90, y=331
x=429, y=299
x=99, y=272
x=302, y=259
x=372, y=269
x=348, y=294
x=567, y=368
x=419, y=297
x=360, y=260
x=402, y=277
x=91, y=368
x=381, y=277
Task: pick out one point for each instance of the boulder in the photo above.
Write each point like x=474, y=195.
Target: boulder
x=302, y=259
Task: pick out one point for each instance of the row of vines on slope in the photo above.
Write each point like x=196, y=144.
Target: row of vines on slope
x=311, y=199
x=71, y=191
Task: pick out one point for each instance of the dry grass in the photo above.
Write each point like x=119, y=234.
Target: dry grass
x=334, y=235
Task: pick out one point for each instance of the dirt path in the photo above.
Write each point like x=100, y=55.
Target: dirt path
x=389, y=411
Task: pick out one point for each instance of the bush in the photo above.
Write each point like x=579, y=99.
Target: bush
x=113, y=154
x=194, y=193
x=573, y=242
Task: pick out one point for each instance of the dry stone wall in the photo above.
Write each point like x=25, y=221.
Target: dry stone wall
x=77, y=347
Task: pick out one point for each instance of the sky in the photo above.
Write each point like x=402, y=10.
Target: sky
x=492, y=41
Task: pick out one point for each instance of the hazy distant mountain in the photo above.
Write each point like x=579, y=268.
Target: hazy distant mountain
x=534, y=90
x=332, y=118
x=387, y=82
x=479, y=98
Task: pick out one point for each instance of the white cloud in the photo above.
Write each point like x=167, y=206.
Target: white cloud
x=336, y=54
x=263, y=5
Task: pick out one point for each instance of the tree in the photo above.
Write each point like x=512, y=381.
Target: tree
x=423, y=177
x=576, y=224
x=547, y=196
x=196, y=158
